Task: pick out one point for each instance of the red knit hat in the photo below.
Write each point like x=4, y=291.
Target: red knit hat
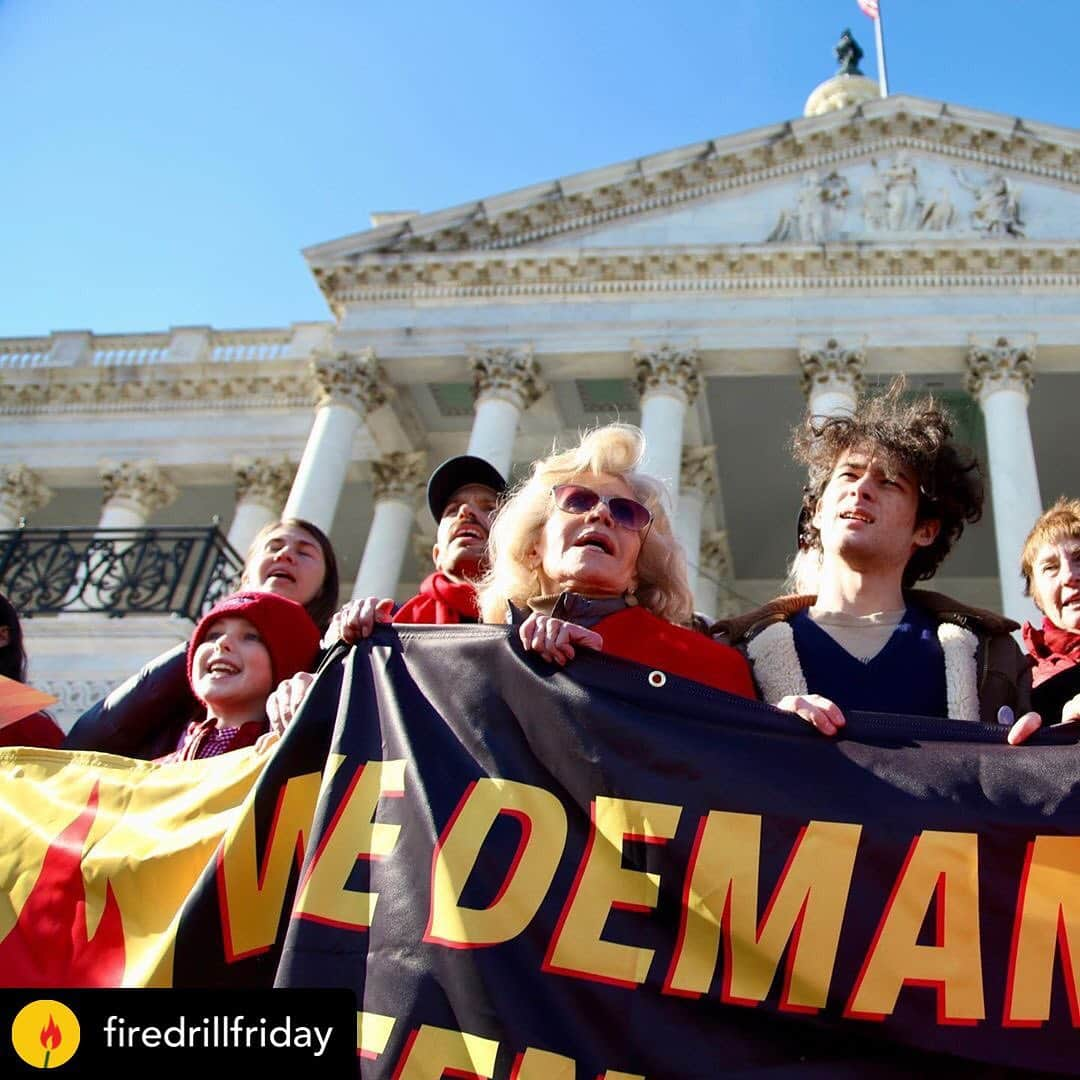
x=287, y=630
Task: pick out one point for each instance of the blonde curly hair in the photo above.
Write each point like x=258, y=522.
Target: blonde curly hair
x=614, y=450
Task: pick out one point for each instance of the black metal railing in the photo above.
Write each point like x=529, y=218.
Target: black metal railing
x=117, y=571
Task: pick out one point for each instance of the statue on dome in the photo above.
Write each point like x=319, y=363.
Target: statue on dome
x=848, y=55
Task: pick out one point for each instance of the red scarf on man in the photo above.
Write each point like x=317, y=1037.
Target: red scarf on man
x=1053, y=650
x=440, y=601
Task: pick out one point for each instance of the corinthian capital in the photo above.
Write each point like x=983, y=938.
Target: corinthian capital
x=830, y=368
x=138, y=484
x=22, y=492
x=698, y=470
x=1001, y=366
x=399, y=475
x=510, y=374
x=263, y=481
x=716, y=555
x=668, y=370
x=353, y=379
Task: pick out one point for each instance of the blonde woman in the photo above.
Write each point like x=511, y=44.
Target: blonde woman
x=583, y=552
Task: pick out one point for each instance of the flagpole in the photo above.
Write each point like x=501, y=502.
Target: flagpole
x=879, y=41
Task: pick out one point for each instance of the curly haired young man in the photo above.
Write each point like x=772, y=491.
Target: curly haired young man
x=887, y=497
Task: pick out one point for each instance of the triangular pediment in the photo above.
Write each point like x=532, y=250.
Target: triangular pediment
x=855, y=164
x=901, y=193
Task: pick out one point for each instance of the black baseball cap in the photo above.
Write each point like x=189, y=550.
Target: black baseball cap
x=455, y=473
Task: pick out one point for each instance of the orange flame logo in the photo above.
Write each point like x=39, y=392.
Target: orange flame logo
x=49, y=944
x=51, y=1036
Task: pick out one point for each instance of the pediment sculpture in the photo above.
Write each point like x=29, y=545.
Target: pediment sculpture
x=894, y=199
x=818, y=207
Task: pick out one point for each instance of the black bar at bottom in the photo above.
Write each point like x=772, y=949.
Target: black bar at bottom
x=205, y=1033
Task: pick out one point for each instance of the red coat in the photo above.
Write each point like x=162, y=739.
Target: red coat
x=37, y=729
x=636, y=634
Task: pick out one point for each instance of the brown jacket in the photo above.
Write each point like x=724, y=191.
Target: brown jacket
x=1002, y=674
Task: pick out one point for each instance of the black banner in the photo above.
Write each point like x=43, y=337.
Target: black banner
x=604, y=870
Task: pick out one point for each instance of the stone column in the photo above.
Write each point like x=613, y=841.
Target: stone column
x=134, y=490
x=831, y=377
x=697, y=484
x=506, y=382
x=668, y=380
x=1000, y=377
x=262, y=486
x=398, y=478
x=711, y=597
x=22, y=492
x=350, y=386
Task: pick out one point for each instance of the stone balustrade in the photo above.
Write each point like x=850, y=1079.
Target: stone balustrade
x=198, y=344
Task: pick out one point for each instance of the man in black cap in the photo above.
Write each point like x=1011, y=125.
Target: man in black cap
x=462, y=493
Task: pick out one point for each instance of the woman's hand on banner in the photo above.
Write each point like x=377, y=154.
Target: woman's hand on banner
x=554, y=639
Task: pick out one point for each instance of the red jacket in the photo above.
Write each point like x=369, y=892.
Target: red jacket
x=37, y=729
x=638, y=635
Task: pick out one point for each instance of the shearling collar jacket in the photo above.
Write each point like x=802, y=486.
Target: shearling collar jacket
x=984, y=667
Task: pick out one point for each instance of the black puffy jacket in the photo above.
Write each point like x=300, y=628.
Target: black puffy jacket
x=143, y=717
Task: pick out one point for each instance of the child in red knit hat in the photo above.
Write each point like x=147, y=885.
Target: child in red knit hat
x=242, y=648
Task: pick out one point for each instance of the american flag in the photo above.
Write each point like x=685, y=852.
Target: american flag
x=869, y=7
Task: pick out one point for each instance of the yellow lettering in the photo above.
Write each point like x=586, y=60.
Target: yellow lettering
x=373, y=1032
x=1048, y=914
x=543, y=1065
x=543, y=834
x=353, y=834
x=602, y=883
x=433, y=1050
x=253, y=892
x=942, y=867
x=721, y=897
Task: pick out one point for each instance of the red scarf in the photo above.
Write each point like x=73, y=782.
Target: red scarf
x=1053, y=649
x=440, y=601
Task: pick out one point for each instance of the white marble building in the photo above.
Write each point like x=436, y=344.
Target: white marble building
x=706, y=293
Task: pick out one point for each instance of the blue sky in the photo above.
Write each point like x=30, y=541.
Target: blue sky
x=165, y=162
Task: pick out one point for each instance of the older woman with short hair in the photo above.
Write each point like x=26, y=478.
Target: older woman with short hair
x=1050, y=564
x=584, y=554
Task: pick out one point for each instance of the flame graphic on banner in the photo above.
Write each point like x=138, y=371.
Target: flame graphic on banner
x=49, y=944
